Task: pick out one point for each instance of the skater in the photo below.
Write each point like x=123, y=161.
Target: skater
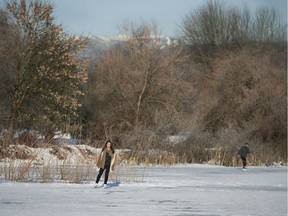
x=243, y=153
x=106, y=161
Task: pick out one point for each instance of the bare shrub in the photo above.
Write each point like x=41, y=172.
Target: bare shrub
x=76, y=173
x=26, y=138
x=58, y=151
x=85, y=152
x=17, y=170
x=128, y=174
x=9, y=170
x=192, y=150
x=246, y=94
x=24, y=171
x=132, y=83
x=18, y=152
x=242, y=86
x=229, y=140
x=214, y=27
x=81, y=173
x=153, y=156
x=45, y=173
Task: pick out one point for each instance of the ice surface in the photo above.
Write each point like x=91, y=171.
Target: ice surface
x=176, y=190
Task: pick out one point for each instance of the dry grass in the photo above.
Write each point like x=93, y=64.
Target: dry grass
x=128, y=174
x=17, y=171
x=26, y=171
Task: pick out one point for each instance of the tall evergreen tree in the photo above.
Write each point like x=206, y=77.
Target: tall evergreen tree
x=47, y=72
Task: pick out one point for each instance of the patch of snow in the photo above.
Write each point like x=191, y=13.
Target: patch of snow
x=180, y=137
x=175, y=190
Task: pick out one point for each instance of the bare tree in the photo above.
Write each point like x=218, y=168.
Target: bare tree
x=247, y=94
x=267, y=27
x=214, y=27
x=140, y=79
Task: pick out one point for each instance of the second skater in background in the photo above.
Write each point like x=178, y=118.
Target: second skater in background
x=243, y=153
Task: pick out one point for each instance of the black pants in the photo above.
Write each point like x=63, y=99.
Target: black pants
x=244, y=161
x=107, y=168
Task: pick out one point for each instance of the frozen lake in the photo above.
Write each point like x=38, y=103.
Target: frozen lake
x=176, y=190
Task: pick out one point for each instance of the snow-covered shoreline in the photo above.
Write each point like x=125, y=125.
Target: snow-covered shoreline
x=70, y=163
x=66, y=154
x=180, y=189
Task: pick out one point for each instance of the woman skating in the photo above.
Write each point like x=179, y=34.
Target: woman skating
x=106, y=162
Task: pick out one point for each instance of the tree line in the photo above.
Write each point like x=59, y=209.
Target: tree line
x=223, y=82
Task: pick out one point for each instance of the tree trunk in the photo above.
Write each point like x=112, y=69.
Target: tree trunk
x=140, y=98
x=10, y=129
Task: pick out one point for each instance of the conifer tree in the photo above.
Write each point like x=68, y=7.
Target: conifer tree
x=47, y=70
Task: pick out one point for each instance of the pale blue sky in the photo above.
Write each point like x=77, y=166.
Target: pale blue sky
x=102, y=17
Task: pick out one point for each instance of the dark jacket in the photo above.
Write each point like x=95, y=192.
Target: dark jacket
x=244, y=151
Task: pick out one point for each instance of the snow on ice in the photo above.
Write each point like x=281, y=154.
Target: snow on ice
x=174, y=190
x=152, y=190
